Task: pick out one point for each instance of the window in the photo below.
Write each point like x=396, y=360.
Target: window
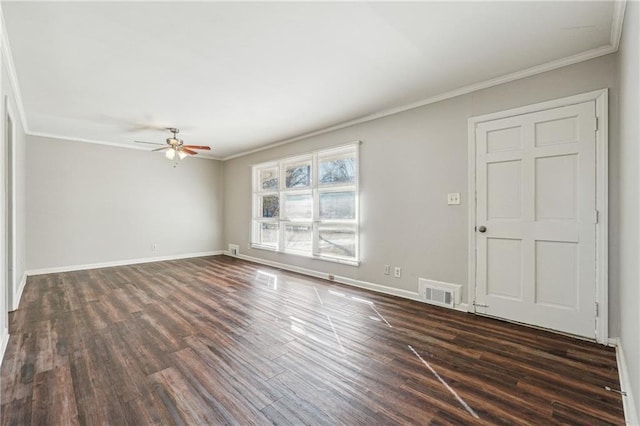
x=308, y=205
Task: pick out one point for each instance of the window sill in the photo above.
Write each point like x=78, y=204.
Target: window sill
x=308, y=256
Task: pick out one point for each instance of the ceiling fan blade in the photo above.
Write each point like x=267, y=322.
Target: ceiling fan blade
x=161, y=149
x=188, y=151
x=150, y=143
x=208, y=148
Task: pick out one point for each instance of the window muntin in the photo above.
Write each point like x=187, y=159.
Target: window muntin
x=308, y=205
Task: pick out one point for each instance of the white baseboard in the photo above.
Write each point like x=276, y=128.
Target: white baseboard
x=120, y=263
x=4, y=341
x=630, y=410
x=18, y=295
x=406, y=294
x=463, y=307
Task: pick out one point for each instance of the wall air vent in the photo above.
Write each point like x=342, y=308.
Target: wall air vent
x=439, y=293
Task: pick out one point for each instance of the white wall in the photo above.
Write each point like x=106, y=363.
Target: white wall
x=90, y=204
x=409, y=162
x=629, y=214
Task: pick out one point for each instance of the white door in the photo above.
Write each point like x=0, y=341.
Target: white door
x=535, y=218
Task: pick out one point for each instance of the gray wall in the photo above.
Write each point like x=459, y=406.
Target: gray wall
x=629, y=214
x=93, y=203
x=409, y=162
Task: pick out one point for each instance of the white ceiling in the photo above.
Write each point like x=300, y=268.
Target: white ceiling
x=238, y=76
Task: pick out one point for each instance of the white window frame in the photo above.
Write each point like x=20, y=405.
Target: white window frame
x=315, y=189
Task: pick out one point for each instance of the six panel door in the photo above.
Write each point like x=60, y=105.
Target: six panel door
x=536, y=197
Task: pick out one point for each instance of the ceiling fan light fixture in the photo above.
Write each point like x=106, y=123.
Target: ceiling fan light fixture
x=176, y=146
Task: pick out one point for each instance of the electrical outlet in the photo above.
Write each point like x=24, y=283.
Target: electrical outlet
x=397, y=272
x=387, y=269
x=453, y=198
x=154, y=247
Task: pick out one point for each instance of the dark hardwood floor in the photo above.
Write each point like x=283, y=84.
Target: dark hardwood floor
x=218, y=340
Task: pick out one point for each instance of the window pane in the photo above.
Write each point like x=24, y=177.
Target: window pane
x=269, y=179
x=298, y=175
x=298, y=206
x=338, y=205
x=269, y=234
x=298, y=237
x=337, y=170
x=270, y=206
x=337, y=240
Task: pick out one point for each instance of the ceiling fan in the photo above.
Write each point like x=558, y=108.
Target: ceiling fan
x=176, y=146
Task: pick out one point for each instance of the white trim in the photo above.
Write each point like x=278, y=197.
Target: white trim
x=8, y=113
x=313, y=190
x=113, y=144
x=602, y=143
x=23, y=283
x=619, y=7
x=120, y=263
x=614, y=40
x=602, y=205
x=628, y=403
x=471, y=217
x=4, y=341
x=294, y=157
x=378, y=288
x=541, y=106
x=549, y=66
x=307, y=255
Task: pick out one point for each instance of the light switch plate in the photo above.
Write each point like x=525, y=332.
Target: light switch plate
x=453, y=198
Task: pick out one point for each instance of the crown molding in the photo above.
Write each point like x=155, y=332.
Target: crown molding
x=538, y=69
x=106, y=143
x=614, y=41
x=619, y=7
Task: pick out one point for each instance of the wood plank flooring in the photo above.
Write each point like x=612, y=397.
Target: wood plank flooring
x=217, y=340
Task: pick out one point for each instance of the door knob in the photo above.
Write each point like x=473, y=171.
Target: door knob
x=482, y=229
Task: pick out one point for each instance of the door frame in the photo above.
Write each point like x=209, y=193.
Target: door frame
x=10, y=175
x=602, y=180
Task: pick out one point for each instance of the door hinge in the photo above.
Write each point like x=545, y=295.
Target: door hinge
x=597, y=310
x=596, y=216
x=595, y=124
